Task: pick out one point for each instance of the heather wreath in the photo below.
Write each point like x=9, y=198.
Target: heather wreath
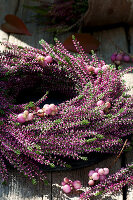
x=96, y=117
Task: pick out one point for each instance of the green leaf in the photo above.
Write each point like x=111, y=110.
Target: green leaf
x=91, y=140
x=10, y=106
x=31, y=104
x=121, y=110
x=84, y=122
x=16, y=123
x=34, y=182
x=37, y=146
x=20, y=47
x=2, y=112
x=1, y=123
x=55, y=39
x=98, y=149
x=52, y=165
x=29, y=148
x=108, y=115
x=84, y=158
x=57, y=121
x=67, y=59
x=92, y=52
x=46, y=182
x=80, y=97
x=99, y=136
x=98, y=193
x=17, y=152
x=68, y=166
x=73, y=37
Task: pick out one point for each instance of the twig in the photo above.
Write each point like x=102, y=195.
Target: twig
x=118, y=156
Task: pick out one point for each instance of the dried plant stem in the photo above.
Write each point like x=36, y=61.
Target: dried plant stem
x=118, y=156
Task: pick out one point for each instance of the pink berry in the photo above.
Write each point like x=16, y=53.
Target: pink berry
x=96, y=170
x=95, y=176
x=102, y=62
x=108, y=105
x=91, y=182
x=100, y=103
x=40, y=113
x=66, y=180
x=41, y=60
x=21, y=118
x=106, y=171
x=25, y=113
x=66, y=188
x=52, y=106
x=48, y=59
x=102, y=177
x=100, y=171
x=48, y=110
x=117, y=62
x=63, y=183
x=77, y=184
x=119, y=57
x=113, y=57
x=30, y=117
x=90, y=69
x=45, y=106
x=37, y=108
x=126, y=58
x=97, y=70
x=105, y=67
x=53, y=113
x=91, y=172
x=102, y=113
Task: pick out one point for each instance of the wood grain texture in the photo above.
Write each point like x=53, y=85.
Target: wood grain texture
x=6, y=7
x=110, y=41
x=19, y=188
x=37, y=31
x=129, y=160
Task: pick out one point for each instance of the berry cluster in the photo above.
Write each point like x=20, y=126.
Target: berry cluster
x=104, y=105
x=117, y=58
x=99, y=174
x=69, y=185
x=111, y=185
x=50, y=139
x=25, y=116
x=46, y=110
x=96, y=70
x=44, y=60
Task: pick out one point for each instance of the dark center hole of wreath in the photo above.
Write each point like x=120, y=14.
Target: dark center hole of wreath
x=58, y=93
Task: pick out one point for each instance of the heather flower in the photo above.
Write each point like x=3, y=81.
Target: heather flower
x=77, y=126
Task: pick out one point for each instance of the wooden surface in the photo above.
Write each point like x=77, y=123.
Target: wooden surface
x=19, y=188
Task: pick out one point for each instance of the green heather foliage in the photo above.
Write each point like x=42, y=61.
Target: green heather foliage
x=80, y=127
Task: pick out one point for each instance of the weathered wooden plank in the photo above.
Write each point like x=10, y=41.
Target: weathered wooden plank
x=129, y=160
x=3, y=38
x=6, y=7
x=37, y=31
x=110, y=41
x=20, y=188
x=4, y=10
